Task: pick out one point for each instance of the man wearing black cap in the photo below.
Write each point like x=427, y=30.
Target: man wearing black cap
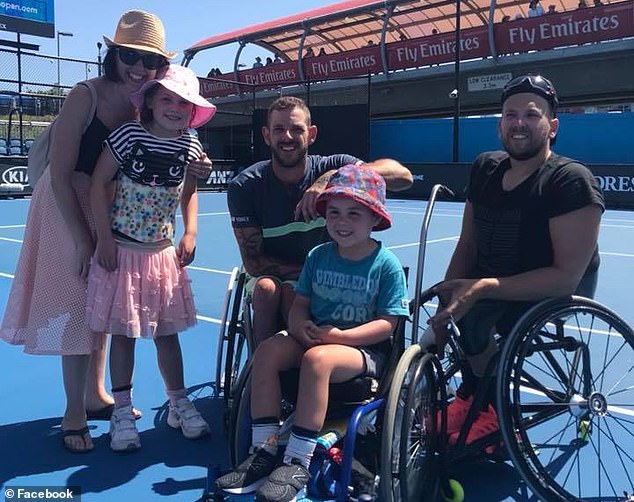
x=529, y=231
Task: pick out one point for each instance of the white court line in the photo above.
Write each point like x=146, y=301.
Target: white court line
x=211, y=320
x=12, y=226
x=10, y=240
x=205, y=214
x=8, y=276
x=212, y=270
x=433, y=241
x=622, y=255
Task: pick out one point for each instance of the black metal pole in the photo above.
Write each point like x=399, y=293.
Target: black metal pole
x=99, y=58
x=456, y=118
x=20, y=92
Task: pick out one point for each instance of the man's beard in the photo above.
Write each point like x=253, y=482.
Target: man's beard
x=528, y=152
x=288, y=160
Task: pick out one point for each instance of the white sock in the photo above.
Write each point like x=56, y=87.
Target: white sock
x=301, y=448
x=265, y=436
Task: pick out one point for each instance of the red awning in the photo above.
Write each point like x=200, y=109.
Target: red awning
x=353, y=24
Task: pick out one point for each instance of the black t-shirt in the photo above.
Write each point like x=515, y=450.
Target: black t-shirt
x=257, y=198
x=511, y=227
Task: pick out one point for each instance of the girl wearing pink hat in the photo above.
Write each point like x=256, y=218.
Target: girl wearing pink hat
x=137, y=285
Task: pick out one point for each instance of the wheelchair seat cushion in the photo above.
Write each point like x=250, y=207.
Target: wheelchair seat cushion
x=356, y=390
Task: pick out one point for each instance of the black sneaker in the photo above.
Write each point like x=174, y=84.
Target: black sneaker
x=250, y=474
x=287, y=483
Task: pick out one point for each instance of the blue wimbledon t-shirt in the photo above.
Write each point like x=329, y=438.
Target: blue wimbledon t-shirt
x=345, y=293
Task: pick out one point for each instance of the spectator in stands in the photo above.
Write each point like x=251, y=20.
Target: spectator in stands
x=269, y=61
x=597, y=3
x=582, y=4
x=258, y=62
x=277, y=59
x=506, y=18
x=529, y=231
x=273, y=213
x=46, y=308
x=309, y=52
x=535, y=9
x=551, y=9
x=322, y=52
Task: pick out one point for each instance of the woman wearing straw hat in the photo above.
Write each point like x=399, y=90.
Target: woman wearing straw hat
x=46, y=309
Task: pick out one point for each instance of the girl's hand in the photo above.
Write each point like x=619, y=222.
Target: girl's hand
x=83, y=254
x=106, y=254
x=186, y=250
x=200, y=168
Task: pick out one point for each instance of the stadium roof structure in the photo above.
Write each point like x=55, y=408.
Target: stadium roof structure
x=353, y=24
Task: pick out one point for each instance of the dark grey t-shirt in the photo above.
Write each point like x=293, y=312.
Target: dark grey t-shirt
x=512, y=227
x=257, y=198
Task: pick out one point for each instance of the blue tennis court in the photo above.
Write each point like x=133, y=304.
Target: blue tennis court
x=169, y=467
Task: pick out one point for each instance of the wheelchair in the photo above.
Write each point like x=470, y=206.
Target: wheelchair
x=564, y=382
x=235, y=340
x=360, y=402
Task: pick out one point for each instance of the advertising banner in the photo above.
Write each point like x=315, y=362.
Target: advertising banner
x=31, y=17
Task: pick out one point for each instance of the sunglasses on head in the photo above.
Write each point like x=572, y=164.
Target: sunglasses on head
x=535, y=84
x=150, y=61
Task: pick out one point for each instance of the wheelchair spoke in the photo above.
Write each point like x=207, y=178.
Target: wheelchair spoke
x=567, y=410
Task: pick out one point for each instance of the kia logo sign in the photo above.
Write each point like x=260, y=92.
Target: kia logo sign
x=16, y=174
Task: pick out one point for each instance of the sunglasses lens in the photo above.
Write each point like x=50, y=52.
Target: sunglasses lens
x=128, y=56
x=153, y=61
x=150, y=61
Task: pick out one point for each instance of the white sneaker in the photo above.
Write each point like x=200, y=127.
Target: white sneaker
x=186, y=417
x=123, y=433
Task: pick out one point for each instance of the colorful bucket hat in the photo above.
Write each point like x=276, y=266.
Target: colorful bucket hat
x=182, y=81
x=360, y=184
x=142, y=31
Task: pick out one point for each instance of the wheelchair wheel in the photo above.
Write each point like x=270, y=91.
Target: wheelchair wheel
x=566, y=401
x=419, y=460
x=235, y=329
x=390, y=481
x=240, y=418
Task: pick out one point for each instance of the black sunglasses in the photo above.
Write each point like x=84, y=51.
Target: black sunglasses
x=535, y=84
x=150, y=61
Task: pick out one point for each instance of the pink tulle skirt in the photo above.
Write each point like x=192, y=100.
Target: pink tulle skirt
x=147, y=296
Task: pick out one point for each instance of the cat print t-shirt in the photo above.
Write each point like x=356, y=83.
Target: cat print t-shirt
x=149, y=181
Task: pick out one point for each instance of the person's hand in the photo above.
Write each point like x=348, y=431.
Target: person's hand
x=106, y=254
x=307, y=335
x=306, y=208
x=324, y=333
x=457, y=297
x=186, y=250
x=83, y=254
x=200, y=168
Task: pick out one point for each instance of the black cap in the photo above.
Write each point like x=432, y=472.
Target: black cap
x=535, y=84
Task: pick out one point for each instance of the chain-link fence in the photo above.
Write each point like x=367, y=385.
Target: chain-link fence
x=32, y=89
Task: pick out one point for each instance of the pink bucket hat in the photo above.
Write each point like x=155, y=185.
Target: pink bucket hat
x=360, y=184
x=181, y=81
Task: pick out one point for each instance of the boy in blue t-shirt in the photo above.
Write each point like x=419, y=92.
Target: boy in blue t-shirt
x=350, y=295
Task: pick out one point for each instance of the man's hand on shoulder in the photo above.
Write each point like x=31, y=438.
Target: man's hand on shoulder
x=306, y=208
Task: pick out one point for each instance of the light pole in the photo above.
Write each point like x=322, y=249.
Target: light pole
x=60, y=34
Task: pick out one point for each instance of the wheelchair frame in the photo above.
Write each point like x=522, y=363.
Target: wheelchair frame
x=415, y=457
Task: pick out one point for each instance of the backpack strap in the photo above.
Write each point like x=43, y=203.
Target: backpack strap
x=93, y=102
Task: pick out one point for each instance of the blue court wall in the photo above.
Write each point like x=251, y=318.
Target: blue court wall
x=603, y=138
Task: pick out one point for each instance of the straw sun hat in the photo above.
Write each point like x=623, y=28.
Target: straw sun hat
x=142, y=31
